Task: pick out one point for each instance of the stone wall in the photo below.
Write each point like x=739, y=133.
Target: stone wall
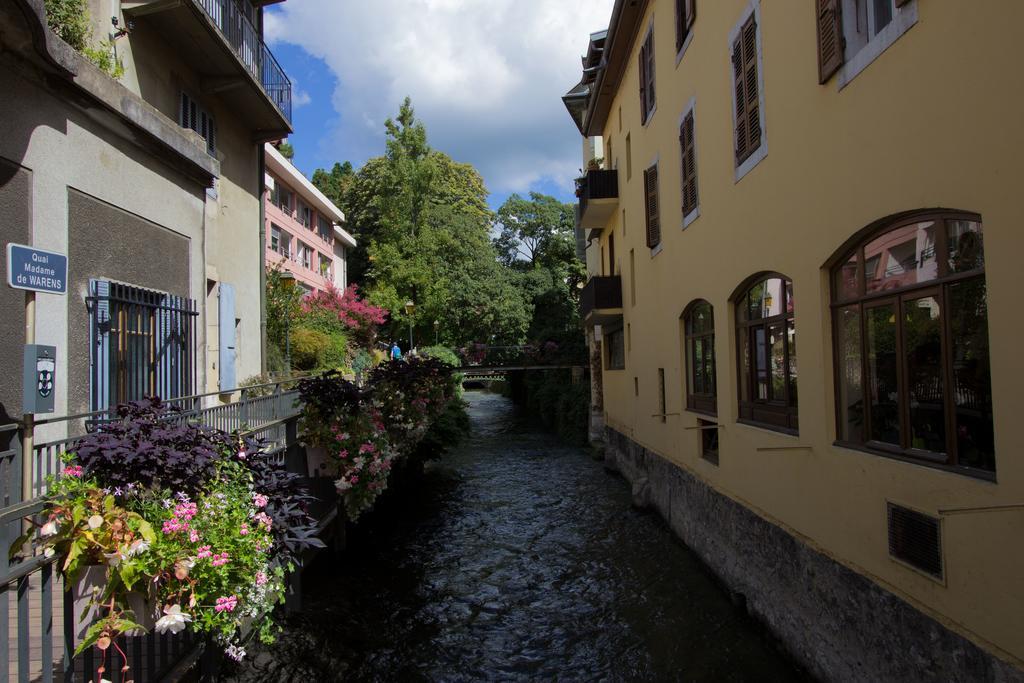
x=835, y=622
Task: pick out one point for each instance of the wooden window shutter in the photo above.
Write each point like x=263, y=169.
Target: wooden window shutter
x=830, y=38
x=687, y=147
x=651, y=192
x=650, y=71
x=741, y=100
x=748, y=105
x=750, y=79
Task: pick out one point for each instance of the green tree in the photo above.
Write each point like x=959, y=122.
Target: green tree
x=286, y=150
x=335, y=183
x=535, y=231
x=284, y=299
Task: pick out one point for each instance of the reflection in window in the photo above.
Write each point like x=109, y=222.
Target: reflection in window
x=699, y=347
x=911, y=335
x=766, y=338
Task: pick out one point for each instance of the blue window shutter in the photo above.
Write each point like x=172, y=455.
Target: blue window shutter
x=226, y=308
x=99, y=345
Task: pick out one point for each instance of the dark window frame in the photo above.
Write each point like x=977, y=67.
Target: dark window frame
x=862, y=301
x=703, y=402
x=611, y=362
x=771, y=412
x=686, y=14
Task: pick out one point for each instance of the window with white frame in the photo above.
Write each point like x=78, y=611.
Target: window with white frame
x=853, y=33
x=749, y=143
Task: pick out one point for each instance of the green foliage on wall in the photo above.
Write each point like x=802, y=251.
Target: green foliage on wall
x=69, y=19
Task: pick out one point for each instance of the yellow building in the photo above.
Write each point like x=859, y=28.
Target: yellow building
x=799, y=234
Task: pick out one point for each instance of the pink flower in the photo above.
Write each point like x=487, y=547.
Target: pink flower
x=219, y=560
x=174, y=525
x=366, y=448
x=264, y=520
x=204, y=552
x=259, y=500
x=241, y=455
x=193, y=535
x=343, y=454
x=261, y=579
x=73, y=470
x=354, y=480
x=227, y=604
x=244, y=531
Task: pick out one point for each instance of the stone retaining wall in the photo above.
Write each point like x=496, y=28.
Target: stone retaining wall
x=835, y=622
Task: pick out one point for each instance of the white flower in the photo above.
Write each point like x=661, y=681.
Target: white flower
x=234, y=652
x=173, y=620
x=49, y=552
x=48, y=529
x=342, y=485
x=95, y=522
x=113, y=559
x=137, y=547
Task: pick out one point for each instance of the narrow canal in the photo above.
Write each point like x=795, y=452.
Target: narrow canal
x=517, y=559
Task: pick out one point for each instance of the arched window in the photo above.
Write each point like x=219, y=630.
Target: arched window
x=911, y=342
x=766, y=347
x=699, y=349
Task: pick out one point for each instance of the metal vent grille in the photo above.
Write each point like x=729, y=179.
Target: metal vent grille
x=915, y=538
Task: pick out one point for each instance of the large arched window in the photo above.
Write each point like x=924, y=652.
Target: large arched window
x=699, y=348
x=766, y=345
x=911, y=342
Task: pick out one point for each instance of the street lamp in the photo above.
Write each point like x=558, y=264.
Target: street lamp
x=288, y=279
x=437, y=325
x=410, y=308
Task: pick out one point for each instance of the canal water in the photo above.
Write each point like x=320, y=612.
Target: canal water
x=517, y=558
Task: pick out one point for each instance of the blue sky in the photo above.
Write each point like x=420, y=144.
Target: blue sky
x=485, y=77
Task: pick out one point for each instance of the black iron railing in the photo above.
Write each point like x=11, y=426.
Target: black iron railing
x=598, y=184
x=235, y=18
x=602, y=291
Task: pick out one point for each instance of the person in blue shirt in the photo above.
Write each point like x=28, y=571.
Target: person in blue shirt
x=396, y=353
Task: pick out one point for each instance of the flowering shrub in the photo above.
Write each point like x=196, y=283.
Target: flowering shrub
x=364, y=431
x=360, y=318
x=196, y=529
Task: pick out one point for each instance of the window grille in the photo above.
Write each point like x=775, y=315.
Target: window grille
x=142, y=344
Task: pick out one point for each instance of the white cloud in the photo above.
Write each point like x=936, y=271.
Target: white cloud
x=485, y=76
x=300, y=98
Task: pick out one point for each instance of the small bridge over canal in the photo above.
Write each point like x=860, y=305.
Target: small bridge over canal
x=481, y=362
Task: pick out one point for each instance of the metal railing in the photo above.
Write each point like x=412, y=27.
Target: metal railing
x=597, y=184
x=234, y=18
x=601, y=291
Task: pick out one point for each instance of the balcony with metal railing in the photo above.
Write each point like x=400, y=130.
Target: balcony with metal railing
x=222, y=41
x=598, y=192
x=601, y=300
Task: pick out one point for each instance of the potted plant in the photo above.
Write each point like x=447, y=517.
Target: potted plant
x=166, y=525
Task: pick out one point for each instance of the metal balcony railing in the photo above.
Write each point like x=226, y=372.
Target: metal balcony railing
x=234, y=19
x=597, y=184
x=602, y=291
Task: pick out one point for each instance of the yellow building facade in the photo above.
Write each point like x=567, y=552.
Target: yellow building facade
x=800, y=237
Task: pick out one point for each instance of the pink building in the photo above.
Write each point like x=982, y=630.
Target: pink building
x=304, y=231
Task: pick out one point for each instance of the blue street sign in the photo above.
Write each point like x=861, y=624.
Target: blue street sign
x=36, y=270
